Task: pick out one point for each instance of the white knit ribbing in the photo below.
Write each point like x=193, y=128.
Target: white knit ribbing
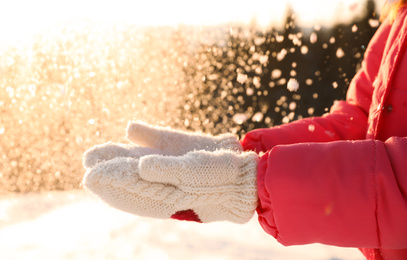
x=122, y=183
x=176, y=142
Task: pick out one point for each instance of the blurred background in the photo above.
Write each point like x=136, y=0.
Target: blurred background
x=73, y=73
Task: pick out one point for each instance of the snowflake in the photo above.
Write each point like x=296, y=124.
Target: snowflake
x=292, y=85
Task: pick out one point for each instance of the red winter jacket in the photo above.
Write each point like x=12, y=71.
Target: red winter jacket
x=341, y=179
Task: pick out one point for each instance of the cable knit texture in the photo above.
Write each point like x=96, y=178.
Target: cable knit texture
x=218, y=185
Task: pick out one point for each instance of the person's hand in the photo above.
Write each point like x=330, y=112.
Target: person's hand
x=200, y=186
x=149, y=139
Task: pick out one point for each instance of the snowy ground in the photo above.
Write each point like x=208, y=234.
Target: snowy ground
x=77, y=225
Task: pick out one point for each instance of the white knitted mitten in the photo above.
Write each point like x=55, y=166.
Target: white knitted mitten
x=108, y=151
x=176, y=142
x=200, y=186
x=158, y=140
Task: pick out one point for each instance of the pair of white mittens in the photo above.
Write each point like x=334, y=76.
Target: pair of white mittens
x=174, y=174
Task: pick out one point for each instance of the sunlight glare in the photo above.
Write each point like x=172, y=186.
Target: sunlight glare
x=329, y=12
x=72, y=73
x=21, y=18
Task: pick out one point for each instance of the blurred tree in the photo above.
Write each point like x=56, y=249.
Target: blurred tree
x=244, y=82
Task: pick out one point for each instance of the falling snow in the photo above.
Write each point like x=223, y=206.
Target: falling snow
x=240, y=118
x=340, y=53
x=293, y=85
x=77, y=84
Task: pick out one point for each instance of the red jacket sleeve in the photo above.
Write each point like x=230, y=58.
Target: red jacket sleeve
x=326, y=184
x=344, y=193
x=344, y=122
